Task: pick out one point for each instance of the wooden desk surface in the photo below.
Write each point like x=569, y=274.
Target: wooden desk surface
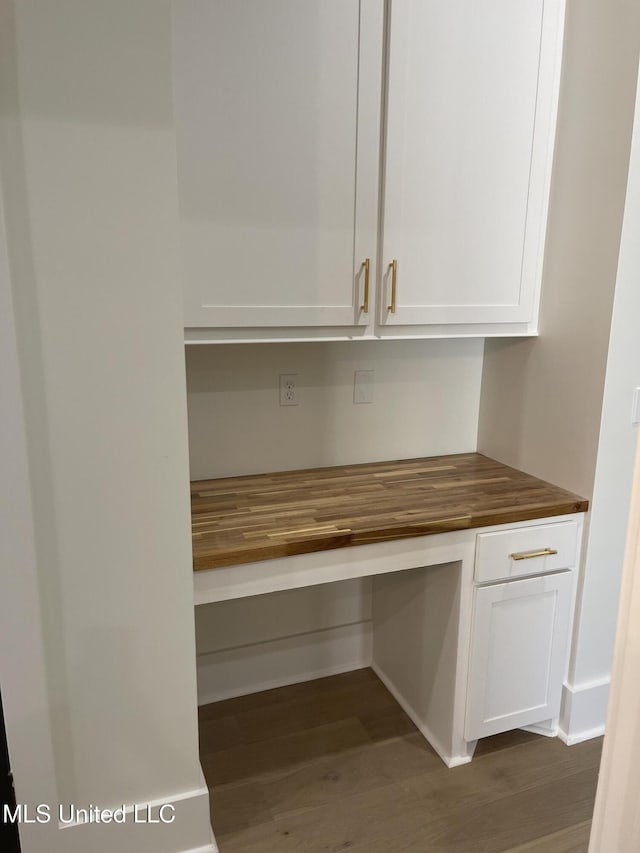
x=246, y=519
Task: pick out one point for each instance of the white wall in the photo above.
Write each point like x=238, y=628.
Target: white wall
x=23, y=676
x=616, y=451
x=426, y=399
x=88, y=179
x=615, y=818
x=269, y=640
x=542, y=399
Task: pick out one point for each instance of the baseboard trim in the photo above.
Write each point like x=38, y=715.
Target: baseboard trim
x=190, y=832
x=449, y=760
x=289, y=660
x=284, y=682
x=588, y=734
x=547, y=728
x=584, y=711
x=210, y=848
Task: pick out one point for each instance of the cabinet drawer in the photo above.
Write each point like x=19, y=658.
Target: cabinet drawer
x=526, y=551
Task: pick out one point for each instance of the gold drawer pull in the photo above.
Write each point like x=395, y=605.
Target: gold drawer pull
x=365, y=304
x=393, y=266
x=528, y=555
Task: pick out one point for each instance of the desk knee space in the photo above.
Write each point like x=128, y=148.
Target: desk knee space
x=446, y=617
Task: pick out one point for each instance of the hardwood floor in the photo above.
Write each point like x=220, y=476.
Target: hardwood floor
x=335, y=764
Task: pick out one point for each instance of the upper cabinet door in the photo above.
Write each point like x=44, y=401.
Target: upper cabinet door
x=277, y=107
x=472, y=99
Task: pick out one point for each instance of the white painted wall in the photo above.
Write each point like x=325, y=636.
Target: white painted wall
x=615, y=820
x=615, y=817
x=23, y=676
x=542, y=400
x=616, y=451
x=88, y=179
x=269, y=640
x=426, y=400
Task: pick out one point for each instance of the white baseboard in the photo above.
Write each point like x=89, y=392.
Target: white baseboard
x=210, y=848
x=584, y=711
x=190, y=831
x=548, y=728
x=449, y=760
x=287, y=660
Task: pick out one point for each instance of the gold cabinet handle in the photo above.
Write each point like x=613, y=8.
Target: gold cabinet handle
x=529, y=555
x=393, y=266
x=365, y=305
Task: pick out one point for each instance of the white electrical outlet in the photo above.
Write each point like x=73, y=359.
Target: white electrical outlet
x=363, y=386
x=289, y=389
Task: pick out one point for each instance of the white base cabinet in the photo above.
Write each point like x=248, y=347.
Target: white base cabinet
x=519, y=646
x=523, y=596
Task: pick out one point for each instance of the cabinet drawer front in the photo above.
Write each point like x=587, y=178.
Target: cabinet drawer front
x=526, y=551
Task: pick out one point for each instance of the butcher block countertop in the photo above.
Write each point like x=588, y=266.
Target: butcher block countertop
x=245, y=519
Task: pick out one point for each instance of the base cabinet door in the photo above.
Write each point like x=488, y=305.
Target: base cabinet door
x=519, y=645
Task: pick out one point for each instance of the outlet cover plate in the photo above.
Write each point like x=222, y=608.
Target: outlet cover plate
x=289, y=389
x=363, y=386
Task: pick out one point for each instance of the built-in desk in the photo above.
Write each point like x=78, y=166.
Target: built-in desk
x=474, y=567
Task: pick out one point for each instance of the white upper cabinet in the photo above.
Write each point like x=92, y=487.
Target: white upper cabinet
x=471, y=103
x=278, y=120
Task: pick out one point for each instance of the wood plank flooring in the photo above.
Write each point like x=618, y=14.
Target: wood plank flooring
x=247, y=519
x=335, y=764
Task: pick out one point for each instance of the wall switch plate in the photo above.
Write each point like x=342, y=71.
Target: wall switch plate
x=289, y=389
x=635, y=407
x=363, y=386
